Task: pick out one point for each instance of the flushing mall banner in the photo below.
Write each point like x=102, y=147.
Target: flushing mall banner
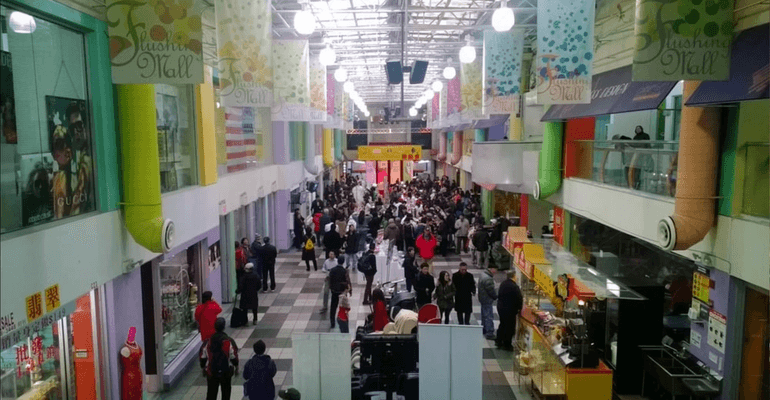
x=565, y=42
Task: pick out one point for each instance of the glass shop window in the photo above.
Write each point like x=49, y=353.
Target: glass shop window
x=175, y=114
x=46, y=145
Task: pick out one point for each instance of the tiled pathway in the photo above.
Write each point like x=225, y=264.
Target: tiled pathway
x=294, y=306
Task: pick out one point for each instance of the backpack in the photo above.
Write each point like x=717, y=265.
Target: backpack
x=219, y=363
x=364, y=266
x=309, y=244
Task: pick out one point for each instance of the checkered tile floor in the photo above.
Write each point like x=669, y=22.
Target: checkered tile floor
x=294, y=306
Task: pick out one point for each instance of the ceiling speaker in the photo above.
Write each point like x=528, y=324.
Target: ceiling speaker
x=395, y=72
x=418, y=72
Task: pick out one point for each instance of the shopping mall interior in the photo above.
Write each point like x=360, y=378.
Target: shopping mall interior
x=338, y=199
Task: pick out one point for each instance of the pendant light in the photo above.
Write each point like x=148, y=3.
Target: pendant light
x=503, y=18
x=412, y=112
x=304, y=21
x=348, y=86
x=327, y=56
x=467, y=52
x=437, y=85
x=449, y=72
x=341, y=75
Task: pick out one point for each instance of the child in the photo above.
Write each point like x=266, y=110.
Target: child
x=342, y=314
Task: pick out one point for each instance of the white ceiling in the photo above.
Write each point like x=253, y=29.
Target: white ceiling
x=367, y=33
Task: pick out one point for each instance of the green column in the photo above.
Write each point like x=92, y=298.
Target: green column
x=487, y=204
x=479, y=135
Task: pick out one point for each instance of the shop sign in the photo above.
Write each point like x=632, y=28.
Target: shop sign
x=156, y=41
x=389, y=153
x=502, y=71
x=683, y=40
x=26, y=330
x=717, y=334
x=34, y=304
x=52, y=298
x=565, y=43
x=544, y=282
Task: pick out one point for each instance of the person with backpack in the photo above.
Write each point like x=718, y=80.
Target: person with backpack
x=352, y=241
x=218, y=357
x=308, y=251
x=339, y=282
x=299, y=229
x=248, y=288
x=268, y=255
x=367, y=265
x=258, y=373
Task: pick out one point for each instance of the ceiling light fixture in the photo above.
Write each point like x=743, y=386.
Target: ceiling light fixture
x=412, y=112
x=429, y=94
x=449, y=71
x=341, y=75
x=467, y=52
x=348, y=87
x=22, y=23
x=503, y=18
x=327, y=56
x=437, y=85
x=304, y=21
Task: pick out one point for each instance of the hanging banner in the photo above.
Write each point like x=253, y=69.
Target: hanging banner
x=472, y=88
x=683, y=40
x=317, y=91
x=152, y=42
x=408, y=170
x=502, y=71
x=442, y=106
x=371, y=173
x=454, y=103
x=291, y=80
x=330, y=87
x=435, y=108
x=395, y=172
x=565, y=42
x=389, y=153
x=244, y=46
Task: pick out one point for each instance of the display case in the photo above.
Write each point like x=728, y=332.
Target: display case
x=179, y=297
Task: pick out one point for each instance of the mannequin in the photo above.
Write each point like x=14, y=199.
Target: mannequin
x=132, y=378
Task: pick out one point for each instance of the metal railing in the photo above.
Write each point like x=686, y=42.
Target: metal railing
x=647, y=166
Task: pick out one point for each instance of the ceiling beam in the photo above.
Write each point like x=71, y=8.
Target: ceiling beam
x=412, y=28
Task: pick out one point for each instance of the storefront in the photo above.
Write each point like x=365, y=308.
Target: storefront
x=57, y=356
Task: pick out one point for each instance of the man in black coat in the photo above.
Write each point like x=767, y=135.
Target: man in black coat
x=424, y=286
x=256, y=254
x=481, y=243
x=410, y=268
x=509, y=304
x=339, y=281
x=465, y=289
x=268, y=254
x=248, y=288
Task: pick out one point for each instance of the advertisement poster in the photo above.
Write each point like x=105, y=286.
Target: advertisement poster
x=244, y=47
x=7, y=100
x=72, y=180
x=453, y=99
x=408, y=170
x=156, y=41
x=471, y=89
x=371, y=173
x=558, y=225
x=565, y=43
x=395, y=172
x=683, y=40
x=37, y=173
x=215, y=257
x=503, y=52
x=240, y=139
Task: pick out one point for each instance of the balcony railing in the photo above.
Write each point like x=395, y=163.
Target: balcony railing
x=756, y=181
x=647, y=166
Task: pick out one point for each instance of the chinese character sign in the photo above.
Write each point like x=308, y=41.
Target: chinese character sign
x=502, y=71
x=52, y=300
x=156, y=41
x=34, y=306
x=565, y=43
x=244, y=47
x=682, y=40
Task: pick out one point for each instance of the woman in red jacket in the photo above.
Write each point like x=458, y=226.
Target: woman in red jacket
x=206, y=314
x=426, y=244
x=380, y=310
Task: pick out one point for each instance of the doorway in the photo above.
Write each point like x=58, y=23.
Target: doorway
x=755, y=382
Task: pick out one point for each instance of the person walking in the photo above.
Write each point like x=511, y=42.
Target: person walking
x=206, y=315
x=410, y=268
x=240, y=261
x=332, y=240
x=339, y=282
x=424, y=286
x=324, y=221
x=391, y=235
x=308, y=251
x=327, y=266
x=352, y=241
x=465, y=289
x=487, y=297
x=481, y=243
x=258, y=374
x=462, y=226
x=248, y=288
x=218, y=357
x=342, y=314
x=426, y=245
x=299, y=230
x=367, y=265
x=509, y=305
x=256, y=254
x=268, y=255
x=444, y=296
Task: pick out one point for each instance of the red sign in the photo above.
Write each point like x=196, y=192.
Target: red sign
x=558, y=225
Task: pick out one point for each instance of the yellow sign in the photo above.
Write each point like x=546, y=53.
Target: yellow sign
x=701, y=284
x=389, y=153
x=52, y=299
x=543, y=281
x=34, y=306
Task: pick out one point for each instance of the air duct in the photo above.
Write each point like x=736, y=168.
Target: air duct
x=141, y=169
x=457, y=148
x=310, y=165
x=549, y=173
x=441, y=147
x=695, y=206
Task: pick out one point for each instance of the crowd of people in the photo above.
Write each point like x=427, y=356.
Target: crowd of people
x=422, y=218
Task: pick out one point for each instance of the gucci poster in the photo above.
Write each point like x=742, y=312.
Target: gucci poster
x=156, y=41
x=565, y=44
x=7, y=100
x=682, y=40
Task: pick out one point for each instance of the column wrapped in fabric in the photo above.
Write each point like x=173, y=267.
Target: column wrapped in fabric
x=328, y=148
x=457, y=148
x=549, y=174
x=442, y=146
x=695, y=206
x=141, y=169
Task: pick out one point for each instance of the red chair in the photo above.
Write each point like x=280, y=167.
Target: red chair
x=435, y=321
x=427, y=313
